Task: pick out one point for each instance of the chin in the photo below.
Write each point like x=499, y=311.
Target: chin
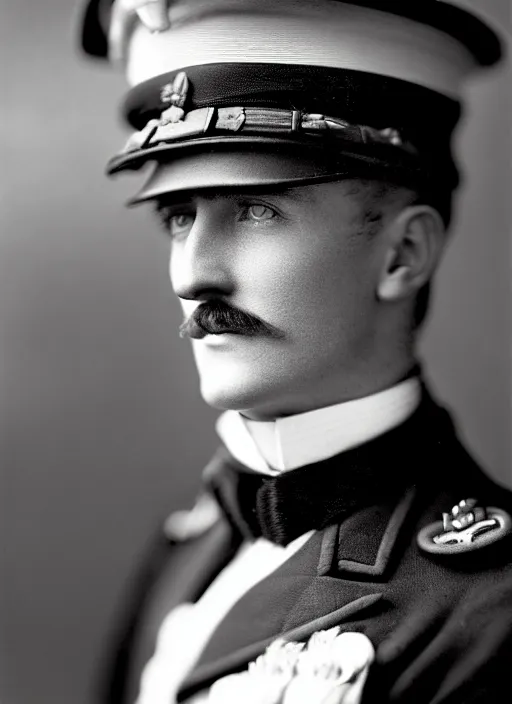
x=261, y=388
x=236, y=382
x=233, y=395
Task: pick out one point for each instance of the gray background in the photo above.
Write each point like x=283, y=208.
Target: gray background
x=102, y=428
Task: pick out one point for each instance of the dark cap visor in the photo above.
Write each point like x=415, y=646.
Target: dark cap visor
x=253, y=169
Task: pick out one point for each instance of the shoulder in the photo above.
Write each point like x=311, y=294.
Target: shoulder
x=447, y=632
x=464, y=511
x=185, y=525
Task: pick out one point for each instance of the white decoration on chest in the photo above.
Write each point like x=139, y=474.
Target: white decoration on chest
x=330, y=669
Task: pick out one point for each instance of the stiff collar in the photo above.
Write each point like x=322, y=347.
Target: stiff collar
x=295, y=441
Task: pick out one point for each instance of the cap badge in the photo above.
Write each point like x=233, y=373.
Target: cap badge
x=173, y=123
x=467, y=527
x=331, y=667
x=175, y=95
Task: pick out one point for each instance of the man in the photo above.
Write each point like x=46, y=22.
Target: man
x=303, y=173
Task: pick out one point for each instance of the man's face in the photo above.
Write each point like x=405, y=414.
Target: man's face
x=298, y=261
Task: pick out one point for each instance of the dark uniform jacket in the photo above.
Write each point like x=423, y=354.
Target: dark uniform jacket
x=441, y=624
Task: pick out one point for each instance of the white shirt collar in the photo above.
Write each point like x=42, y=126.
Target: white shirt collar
x=295, y=441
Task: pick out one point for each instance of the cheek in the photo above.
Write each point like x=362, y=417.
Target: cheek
x=309, y=286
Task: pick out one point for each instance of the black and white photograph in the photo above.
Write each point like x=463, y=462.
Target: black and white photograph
x=256, y=352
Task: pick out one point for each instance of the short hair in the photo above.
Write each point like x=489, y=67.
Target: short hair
x=376, y=195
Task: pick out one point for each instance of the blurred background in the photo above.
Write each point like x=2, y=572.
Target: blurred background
x=102, y=430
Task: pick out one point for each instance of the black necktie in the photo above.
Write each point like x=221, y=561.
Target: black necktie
x=288, y=505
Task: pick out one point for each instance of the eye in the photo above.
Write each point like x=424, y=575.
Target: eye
x=175, y=222
x=180, y=222
x=259, y=213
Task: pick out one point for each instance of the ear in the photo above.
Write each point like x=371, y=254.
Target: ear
x=416, y=239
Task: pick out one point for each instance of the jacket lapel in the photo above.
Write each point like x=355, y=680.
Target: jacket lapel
x=334, y=579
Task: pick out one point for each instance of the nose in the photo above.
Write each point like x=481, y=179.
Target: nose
x=199, y=263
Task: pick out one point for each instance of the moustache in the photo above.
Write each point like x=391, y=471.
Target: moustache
x=216, y=317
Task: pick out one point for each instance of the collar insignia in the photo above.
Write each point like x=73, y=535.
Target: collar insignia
x=467, y=527
x=330, y=667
